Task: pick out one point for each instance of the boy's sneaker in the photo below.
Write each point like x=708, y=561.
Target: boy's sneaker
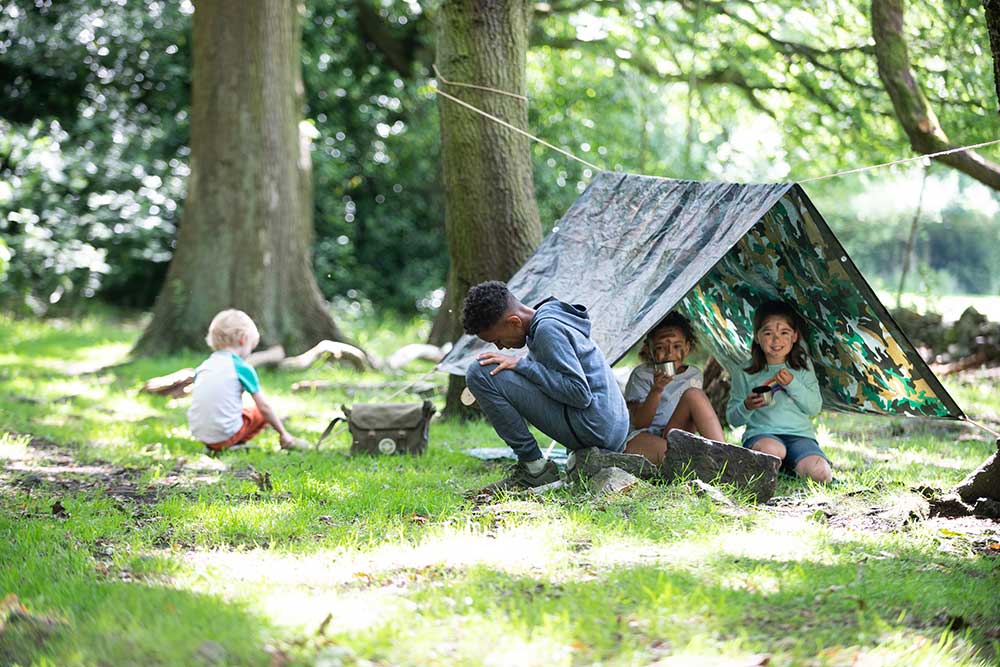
x=520, y=479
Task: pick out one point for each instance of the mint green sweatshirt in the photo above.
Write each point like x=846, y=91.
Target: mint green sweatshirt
x=791, y=411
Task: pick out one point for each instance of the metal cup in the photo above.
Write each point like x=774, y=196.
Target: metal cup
x=665, y=367
x=766, y=392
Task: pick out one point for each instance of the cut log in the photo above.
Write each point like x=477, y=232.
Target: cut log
x=328, y=349
x=720, y=463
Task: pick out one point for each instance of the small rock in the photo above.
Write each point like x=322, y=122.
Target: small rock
x=698, y=487
x=592, y=460
x=58, y=510
x=720, y=463
x=612, y=480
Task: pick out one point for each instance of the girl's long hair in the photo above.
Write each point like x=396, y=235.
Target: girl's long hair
x=797, y=358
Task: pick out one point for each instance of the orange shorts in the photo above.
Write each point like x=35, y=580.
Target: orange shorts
x=253, y=423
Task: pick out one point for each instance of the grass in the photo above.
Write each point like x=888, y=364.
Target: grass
x=161, y=556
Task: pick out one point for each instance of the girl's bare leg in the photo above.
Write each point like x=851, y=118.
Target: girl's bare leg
x=694, y=413
x=654, y=448
x=771, y=446
x=814, y=467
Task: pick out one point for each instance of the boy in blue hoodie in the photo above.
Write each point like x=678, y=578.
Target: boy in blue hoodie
x=564, y=386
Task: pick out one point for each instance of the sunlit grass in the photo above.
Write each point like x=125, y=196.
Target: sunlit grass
x=397, y=567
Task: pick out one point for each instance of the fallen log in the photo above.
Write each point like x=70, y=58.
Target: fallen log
x=410, y=353
x=179, y=383
x=175, y=384
x=269, y=357
x=328, y=349
x=972, y=361
x=419, y=388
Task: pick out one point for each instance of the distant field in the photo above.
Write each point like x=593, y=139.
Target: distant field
x=951, y=307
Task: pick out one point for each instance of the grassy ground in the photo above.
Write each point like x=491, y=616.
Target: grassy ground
x=127, y=546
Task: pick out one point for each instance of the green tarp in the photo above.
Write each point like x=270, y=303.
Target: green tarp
x=632, y=248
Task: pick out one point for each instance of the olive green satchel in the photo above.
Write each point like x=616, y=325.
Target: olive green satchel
x=386, y=428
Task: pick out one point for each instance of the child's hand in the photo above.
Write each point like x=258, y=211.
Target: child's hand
x=288, y=441
x=784, y=376
x=753, y=401
x=503, y=361
x=661, y=380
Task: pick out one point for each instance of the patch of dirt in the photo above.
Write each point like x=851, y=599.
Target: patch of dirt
x=47, y=467
x=851, y=512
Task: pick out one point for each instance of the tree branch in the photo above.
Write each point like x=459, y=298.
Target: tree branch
x=399, y=53
x=912, y=109
x=811, y=54
x=720, y=76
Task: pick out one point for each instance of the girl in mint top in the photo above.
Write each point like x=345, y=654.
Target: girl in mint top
x=783, y=427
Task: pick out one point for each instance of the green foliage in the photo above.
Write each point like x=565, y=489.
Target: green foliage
x=379, y=222
x=92, y=154
x=93, y=158
x=952, y=250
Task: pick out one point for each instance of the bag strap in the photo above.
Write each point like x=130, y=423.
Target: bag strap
x=328, y=429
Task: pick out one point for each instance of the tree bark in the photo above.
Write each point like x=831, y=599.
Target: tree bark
x=716, y=384
x=992, y=8
x=491, y=215
x=246, y=234
x=912, y=109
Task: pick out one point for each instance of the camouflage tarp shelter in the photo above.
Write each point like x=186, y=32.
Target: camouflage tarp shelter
x=632, y=248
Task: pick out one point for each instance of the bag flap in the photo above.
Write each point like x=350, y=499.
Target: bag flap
x=382, y=416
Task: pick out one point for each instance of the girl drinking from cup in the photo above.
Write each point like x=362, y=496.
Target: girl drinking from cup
x=664, y=393
x=777, y=394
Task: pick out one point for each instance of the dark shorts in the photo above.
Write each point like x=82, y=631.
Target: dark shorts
x=797, y=447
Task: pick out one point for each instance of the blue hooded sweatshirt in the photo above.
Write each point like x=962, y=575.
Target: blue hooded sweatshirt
x=570, y=369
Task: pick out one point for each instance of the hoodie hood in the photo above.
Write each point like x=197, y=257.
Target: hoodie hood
x=572, y=315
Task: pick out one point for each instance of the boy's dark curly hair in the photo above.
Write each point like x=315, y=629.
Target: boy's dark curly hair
x=484, y=305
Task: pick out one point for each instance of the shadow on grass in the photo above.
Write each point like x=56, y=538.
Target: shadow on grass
x=912, y=605
x=113, y=622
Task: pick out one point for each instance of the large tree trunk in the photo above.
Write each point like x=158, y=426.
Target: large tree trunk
x=246, y=233
x=491, y=215
x=992, y=8
x=912, y=109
